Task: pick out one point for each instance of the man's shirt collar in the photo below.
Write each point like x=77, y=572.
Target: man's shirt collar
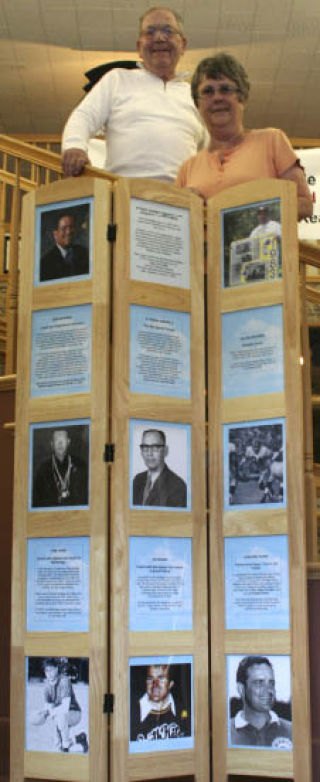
x=179, y=76
x=147, y=706
x=240, y=721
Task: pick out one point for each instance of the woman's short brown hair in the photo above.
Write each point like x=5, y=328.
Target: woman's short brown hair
x=216, y=68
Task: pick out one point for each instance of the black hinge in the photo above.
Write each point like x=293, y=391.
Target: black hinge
x=108, y=702
x=108, y=455
x=112, y=232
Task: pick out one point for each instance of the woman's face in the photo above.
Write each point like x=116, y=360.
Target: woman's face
x=219, y=104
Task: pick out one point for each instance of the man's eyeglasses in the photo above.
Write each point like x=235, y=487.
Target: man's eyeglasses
x=164, y=29
x=222, y=89
x=156, y=447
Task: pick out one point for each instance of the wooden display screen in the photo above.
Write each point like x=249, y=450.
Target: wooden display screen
x=259, y=625
x=59, y=628
x=159, y=660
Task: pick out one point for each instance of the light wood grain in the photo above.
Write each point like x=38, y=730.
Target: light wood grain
x=260, y=762
x=126, y=406
x=250, y=407
x=57, y=644
x=47, y=296
x=250, y=296
x=71, y=768
x=64, y=522
x=261, y=642
x=259, y=522
x=147, y=524
x=172, y=764
x=161, y=643
x=57, y=408
x=289, y=521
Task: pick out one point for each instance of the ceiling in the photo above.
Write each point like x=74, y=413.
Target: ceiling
x=47, y=45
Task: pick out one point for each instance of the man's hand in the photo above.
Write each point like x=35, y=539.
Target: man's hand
x=73, y=161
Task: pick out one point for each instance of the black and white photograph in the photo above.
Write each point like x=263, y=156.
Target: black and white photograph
x=57, y=704
x=259, y=695
x=160, y=704
x=252, y=243
x=63, y=241
x=160, y=458
x=59, y=465
x=254, y=464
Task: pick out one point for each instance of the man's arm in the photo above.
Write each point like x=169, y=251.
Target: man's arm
x=305, y=205
x=85, y=121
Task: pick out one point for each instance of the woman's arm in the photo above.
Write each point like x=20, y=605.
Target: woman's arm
x=305, y=205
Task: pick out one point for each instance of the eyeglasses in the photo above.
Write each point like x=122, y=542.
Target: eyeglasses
x=164, y=29
x=156, y=447
x=222, y=89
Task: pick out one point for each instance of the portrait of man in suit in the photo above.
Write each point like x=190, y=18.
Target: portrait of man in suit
x=66, y=257
x=158, y=485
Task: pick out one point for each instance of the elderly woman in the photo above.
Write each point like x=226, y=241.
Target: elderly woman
x=220, y=89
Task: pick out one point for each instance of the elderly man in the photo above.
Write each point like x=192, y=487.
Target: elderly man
x=150, y=121
x=257, y=725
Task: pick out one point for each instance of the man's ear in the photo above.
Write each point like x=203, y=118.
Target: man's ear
x=184, y=44
x=241, y=690
x=171, y=685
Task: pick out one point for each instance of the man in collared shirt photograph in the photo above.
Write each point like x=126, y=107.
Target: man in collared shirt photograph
x=163, y=710
x=258, y=724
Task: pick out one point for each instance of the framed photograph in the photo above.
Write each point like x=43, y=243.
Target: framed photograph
x=57, y=704
x=257, y=583
x=63, y=241
x=61, y=350
x=160, y=243
x=160, y=584
x=58, y=585
x=161, y=703
x=254, y=456
x=59, y=465
x=251, y=247
x=159, y=351
x=252, y=351
x=259, y=696
x=160, y=465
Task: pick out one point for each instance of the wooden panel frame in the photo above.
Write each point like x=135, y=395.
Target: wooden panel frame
x=91, y=522
x=291, y=521
x=125, y=522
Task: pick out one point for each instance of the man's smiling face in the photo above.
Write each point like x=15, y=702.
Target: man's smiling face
x=160, y=43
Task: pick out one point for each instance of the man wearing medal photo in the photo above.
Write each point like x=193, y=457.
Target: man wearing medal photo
x=62, y=477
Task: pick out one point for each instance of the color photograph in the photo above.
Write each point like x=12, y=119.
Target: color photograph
x=251, y=244
x=63, y=241
x=161, y=704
